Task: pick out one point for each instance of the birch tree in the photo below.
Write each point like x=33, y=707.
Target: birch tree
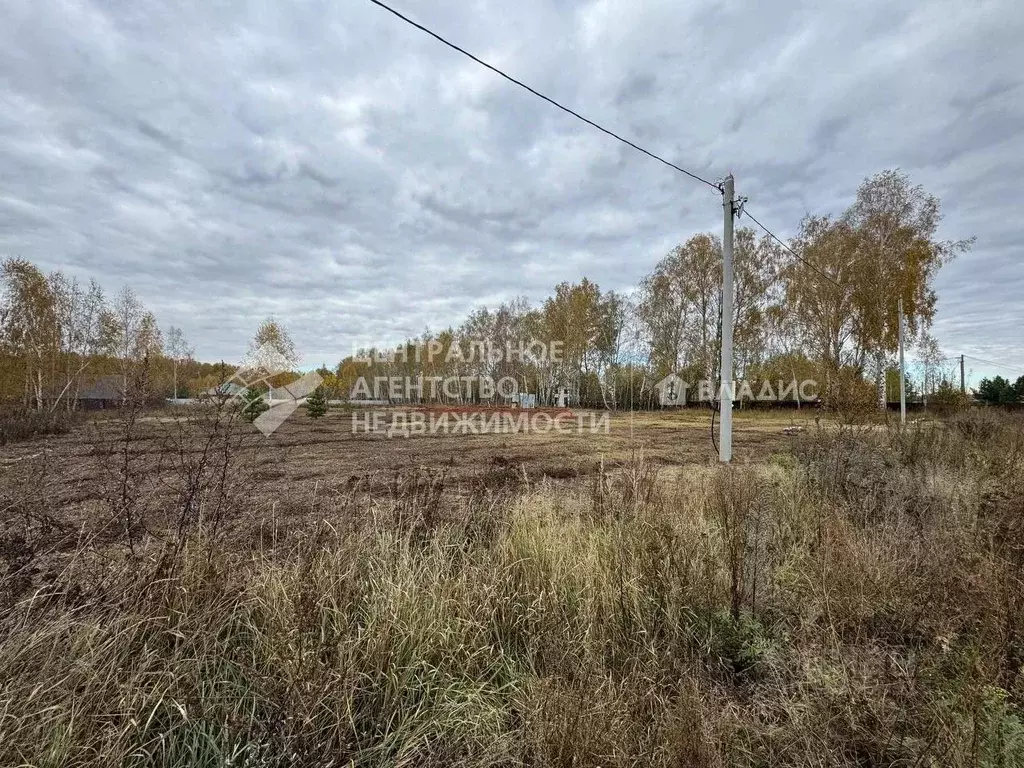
x=28, y=321
x=131, y=335
x=818, y=310
x=897, y=257
x=79, y=313
x=178, y=350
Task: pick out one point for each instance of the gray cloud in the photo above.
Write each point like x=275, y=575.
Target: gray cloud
x=325, y=163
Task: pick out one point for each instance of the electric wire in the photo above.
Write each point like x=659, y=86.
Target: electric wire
x=714, y=185
x=992, y=362
x=798, y=257
x=627, y=142
x=548, y=99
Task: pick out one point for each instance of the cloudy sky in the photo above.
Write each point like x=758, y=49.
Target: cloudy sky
x=325, y=163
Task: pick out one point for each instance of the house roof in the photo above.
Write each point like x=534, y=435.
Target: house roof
x=103, y=388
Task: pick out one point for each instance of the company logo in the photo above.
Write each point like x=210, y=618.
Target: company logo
x=673, y=390
x=257, y=372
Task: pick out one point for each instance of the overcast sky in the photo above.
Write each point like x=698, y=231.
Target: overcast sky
x=325, y=163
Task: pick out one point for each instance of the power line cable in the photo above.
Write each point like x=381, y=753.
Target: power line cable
x=521, y=84
x=588, y=121
x=798, y=257
x=992, y=362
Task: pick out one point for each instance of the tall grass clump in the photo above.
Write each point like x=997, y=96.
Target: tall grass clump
x=19, y=423
x=858, y=602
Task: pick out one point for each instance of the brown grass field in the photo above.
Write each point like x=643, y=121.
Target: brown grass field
x=305, y=454
x=178, y=590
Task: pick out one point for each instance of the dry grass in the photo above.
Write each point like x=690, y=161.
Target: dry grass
x=16, y=423
x=859, y=601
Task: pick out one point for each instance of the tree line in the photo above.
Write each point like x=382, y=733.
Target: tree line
x=829, y=315
x=825, y=308
x=57, y=334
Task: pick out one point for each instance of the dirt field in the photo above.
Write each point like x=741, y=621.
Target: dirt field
x=305, y=456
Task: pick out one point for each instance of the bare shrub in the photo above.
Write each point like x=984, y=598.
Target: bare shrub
x=20, y=423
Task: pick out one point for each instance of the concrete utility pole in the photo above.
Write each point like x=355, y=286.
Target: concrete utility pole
x=903, y=375
x=963, y=387
x=725, y=431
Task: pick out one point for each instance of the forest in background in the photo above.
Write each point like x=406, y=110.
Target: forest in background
x=822, y=308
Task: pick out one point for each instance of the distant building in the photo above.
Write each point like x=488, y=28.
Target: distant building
x=227, y=389
x=285, y=394
x=102, y=392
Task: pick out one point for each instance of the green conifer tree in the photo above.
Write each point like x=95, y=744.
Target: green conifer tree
x=316, y=403
x=253, y=404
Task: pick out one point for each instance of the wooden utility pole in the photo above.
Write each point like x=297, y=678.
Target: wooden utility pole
x=963, y=387
x=725, y=394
